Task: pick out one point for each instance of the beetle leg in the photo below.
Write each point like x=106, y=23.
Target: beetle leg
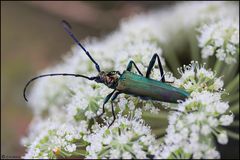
x=112, y=99
x=129, y=67
x=105, y=101
x=151, y=64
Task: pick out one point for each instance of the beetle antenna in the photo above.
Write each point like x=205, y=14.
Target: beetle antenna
x=53, y=74
x=68, y=28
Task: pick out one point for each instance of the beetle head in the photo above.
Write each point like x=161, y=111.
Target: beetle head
x=110, y=79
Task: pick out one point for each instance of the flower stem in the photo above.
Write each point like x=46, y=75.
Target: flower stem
x=159, y=132
x=232, y=86
x=229, y=72
x=218, y=67
x=153, y=120
x=155, y=116
x=235, y=123
x=233, y=135
x=235, y=108
x=210, y=61
x=194, y=46
x=80, y=153
x=171, y=58
x=232, y=98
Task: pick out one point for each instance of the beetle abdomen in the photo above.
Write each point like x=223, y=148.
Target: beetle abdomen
x=131, y=83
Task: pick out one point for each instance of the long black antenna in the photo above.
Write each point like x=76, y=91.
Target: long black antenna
x=53, y=74
x=68, y=28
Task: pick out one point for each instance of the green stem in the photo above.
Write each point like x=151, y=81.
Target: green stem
x=103, y=151
x=235, y=123
x=159, y=132
x=171, y=58
x=65, y=154
x=218, y=67
x=156, y=120
x=157, y=124
x=232, y=98
x=207, y=61
x=210, y=61
x=160, y=115
x=235, y=108
x=195, y=53
x=232, y=86
x=233, y=135
x=80, y=153
x=229, y=72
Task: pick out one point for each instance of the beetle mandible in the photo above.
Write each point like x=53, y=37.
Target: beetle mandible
x=126, y=82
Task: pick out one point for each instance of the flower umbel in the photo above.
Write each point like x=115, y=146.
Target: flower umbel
x=201, y=115
x=196, y=78
x=58, y=140
x=127, y=138
x=220, y=39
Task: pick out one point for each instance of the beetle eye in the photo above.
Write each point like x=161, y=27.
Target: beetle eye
x=111, y=73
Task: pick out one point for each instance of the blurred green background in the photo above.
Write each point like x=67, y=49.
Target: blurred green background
x=32, y=39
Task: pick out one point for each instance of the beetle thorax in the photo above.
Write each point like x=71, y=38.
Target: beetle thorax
x=110, y=79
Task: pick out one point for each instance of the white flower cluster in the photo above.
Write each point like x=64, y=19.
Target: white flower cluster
x=65, y=108
x=196, y=78
x=220, y=39
x=58, y=140
x=189, y=131
x=128, y=138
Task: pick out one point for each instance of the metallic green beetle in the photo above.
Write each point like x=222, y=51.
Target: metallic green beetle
x=127, y=82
